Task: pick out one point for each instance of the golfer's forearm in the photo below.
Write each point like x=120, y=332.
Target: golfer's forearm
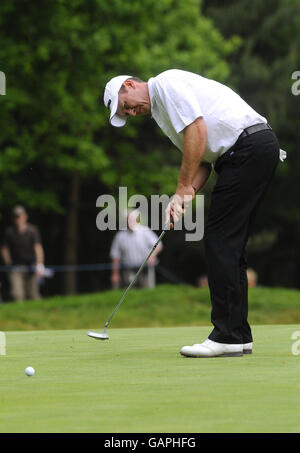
x=194, y=147
x=201, y=176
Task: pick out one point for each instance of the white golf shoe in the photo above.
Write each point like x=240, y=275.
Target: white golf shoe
x=247, y=348
x=211, y=348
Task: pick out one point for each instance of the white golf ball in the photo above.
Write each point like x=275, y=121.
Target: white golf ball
x=29, y=371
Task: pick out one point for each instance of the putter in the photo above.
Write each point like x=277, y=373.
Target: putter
x=104, y=336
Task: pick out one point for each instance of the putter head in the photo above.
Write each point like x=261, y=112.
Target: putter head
x=98, y=336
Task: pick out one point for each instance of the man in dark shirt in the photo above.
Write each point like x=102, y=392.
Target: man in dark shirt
x=22, y=249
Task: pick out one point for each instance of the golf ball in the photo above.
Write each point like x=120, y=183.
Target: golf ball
x=29, y=371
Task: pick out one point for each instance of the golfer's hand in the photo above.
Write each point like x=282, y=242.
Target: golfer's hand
x=179, y=203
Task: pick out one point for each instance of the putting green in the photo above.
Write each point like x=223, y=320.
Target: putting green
x=138, y=382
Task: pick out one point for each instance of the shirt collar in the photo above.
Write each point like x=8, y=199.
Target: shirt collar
x=151, y=95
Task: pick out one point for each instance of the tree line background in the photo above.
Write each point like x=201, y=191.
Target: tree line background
x=58, y=153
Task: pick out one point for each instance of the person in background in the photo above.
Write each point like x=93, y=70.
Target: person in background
x=202, y=281
x=252, y=278
x=128, y=251
x=22, y=249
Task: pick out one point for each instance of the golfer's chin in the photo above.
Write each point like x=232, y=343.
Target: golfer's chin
x=143, y=110
x=144, y=113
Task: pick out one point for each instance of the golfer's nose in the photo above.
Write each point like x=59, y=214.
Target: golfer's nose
x=130, y=111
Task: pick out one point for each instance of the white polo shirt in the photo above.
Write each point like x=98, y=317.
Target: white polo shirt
x=178, y=98
x=132, y=247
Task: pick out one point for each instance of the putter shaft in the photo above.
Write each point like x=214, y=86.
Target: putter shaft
x=135, y=279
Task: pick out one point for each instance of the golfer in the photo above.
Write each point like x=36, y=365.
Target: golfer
x=212, y=126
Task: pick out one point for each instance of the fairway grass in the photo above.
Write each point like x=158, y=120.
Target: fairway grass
x=137, y=382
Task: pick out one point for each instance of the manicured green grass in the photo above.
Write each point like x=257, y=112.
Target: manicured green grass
x=138, y=382
x=167, y=305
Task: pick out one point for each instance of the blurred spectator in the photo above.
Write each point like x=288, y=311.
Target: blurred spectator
x=129, y=250
x=21, y=248
x=252, y=278
x=202, y=281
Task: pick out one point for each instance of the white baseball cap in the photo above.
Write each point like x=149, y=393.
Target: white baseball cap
x=111, y=99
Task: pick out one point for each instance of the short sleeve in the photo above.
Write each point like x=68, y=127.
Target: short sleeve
x=179, y=100
x=151, y=237
x=6, y=237
x=36, y=235
x=115, y=252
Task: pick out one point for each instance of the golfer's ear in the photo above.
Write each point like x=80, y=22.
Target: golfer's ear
x=129, y=83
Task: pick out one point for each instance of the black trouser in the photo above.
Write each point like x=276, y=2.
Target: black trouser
x=244, y=173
